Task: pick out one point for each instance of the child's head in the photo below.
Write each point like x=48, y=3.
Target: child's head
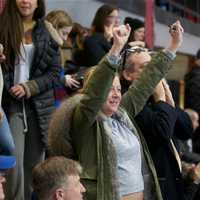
x=61, y=21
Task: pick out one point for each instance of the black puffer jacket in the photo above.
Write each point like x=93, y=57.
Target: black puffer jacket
x=95, y=47
x=43, y=73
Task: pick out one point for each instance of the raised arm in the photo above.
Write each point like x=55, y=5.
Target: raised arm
x=135, y=98
x=97, y=87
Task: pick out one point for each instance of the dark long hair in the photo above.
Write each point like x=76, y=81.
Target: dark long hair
x=100, y=17
x=11, y=29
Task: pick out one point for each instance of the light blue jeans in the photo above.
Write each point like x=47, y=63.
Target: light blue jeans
x=6, y=140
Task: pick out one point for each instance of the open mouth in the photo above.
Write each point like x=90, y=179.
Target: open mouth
x=114, y=102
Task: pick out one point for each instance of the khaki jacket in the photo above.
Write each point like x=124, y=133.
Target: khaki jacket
x=88, y=131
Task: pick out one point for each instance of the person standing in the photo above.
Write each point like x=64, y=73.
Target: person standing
x=115, y=159
x=137, y=31
x=30, y=70
x=62, y=24
x=100, y=41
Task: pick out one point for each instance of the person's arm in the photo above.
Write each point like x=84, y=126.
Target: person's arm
x=157, y=122
x=157, y=119
x=96, y=89
x=135, y=98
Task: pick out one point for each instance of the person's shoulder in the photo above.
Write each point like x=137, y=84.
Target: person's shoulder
x=53, y=33
x=42, y=35
x=40, y=31
x=95, y=37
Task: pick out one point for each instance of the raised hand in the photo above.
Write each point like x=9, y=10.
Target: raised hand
x=176, y=32
x=120, y=37
x=168, y=94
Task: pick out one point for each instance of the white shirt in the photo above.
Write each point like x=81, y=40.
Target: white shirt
x=129, y=161
x=23, y=64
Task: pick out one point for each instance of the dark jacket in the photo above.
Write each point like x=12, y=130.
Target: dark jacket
x=158, y=122
x=192, y=99
x=95, y=47
x=43, y=73
x=192, y=89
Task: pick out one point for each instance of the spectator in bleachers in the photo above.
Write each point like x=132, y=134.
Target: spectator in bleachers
x=192, y=95
x=58, y=178
x=137, y=36
x=62, y=23
x=76, y=42
x=158, y=121
x=99, y=43
x=30, y=69
x=103, y=136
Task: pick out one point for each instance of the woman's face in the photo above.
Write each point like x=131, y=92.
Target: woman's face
x=139, y=34
x=114, y=98
x=64, y=32
x=113, y=18
x=27, y=8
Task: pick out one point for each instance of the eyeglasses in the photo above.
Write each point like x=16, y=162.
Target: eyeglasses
x=135, y=49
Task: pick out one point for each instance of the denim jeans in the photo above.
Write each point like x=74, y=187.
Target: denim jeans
x=6, y=141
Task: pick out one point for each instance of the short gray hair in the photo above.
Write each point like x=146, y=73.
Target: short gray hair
x=52, y=174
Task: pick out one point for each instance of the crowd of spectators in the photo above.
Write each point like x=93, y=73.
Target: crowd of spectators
x=87, y=113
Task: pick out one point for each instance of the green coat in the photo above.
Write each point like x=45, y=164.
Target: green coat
x=89, y=129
